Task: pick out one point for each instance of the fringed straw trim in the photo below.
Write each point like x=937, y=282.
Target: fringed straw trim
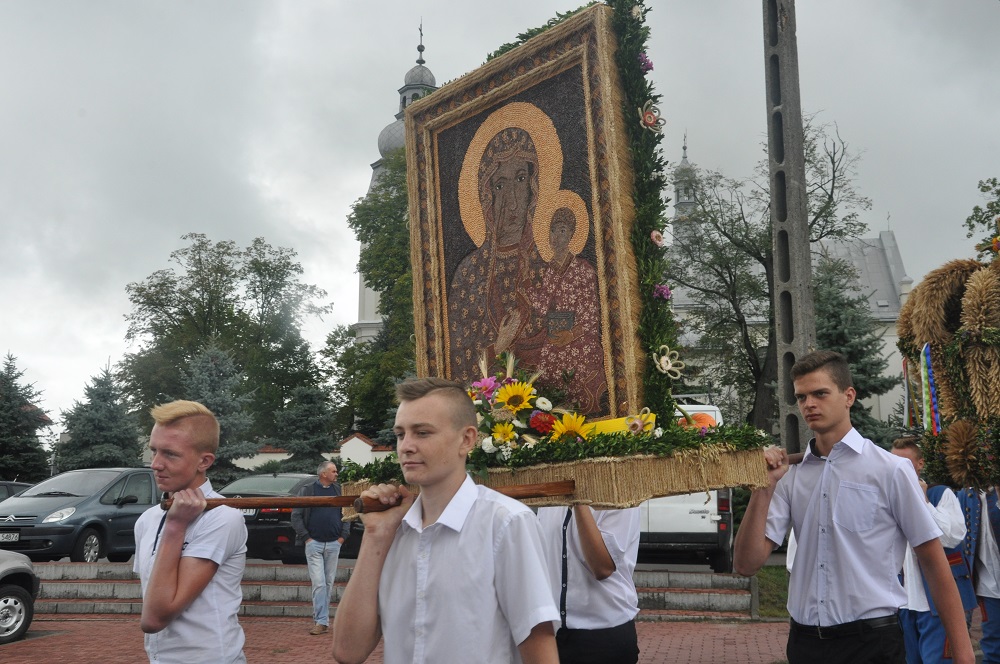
x=620, y=482
x=937, y=302
x=981, y=303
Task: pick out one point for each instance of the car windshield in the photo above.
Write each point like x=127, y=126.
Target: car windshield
x=73, y=483
x=262, y=484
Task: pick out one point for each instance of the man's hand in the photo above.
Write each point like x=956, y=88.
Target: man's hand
x=384, y=524
x=187, y=505
x=777, y=463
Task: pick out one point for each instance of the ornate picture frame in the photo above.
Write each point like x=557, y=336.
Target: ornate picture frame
x=514, y=169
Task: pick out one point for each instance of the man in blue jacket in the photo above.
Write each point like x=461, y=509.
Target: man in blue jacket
x=923, y=632
x=323, y=533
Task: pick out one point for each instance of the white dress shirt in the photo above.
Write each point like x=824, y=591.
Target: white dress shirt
x=949, y=518
x=852, y=515
x=468, y=588
x=593, y=604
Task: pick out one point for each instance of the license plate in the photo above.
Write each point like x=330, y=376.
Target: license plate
x=10, y=537
x=249, y=511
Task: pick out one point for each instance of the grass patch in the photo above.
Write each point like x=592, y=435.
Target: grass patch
x=772, y=588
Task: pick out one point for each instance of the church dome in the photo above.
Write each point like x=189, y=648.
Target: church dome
x=392, y=138
x=419, y=75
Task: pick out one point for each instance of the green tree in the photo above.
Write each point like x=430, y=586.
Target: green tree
x=722, y=254
x=305, y=428
x=986, y=218
x=844, y=323
x=364, y=374
x=249, y=302
x=102, y=431
x=21, y=453
x=214, y=380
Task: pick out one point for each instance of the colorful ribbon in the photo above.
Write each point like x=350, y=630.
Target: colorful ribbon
x=932, y=418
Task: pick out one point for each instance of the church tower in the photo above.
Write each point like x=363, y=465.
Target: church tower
x=684, y=197
x=417, y=83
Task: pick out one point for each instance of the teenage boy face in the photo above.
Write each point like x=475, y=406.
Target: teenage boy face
x=431, y=446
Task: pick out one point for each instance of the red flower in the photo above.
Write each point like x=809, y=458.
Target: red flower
x=541, y=421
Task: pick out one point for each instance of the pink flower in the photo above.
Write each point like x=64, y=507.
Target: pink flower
x=657, y=238
x=486, y=387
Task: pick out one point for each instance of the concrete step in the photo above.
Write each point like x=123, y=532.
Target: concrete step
x=284, y=590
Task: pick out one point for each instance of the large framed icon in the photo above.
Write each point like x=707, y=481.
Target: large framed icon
x=520, y=185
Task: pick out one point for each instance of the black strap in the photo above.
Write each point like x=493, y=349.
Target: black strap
x=158, y=530
x=565, y=567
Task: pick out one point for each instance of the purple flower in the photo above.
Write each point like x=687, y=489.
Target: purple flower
x=645, y=64
x=703, y=431
x=662, y=291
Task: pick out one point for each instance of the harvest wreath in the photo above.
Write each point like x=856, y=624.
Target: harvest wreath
x=525, y=439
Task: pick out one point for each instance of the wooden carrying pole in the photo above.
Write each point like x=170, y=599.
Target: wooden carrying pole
x=362, y=505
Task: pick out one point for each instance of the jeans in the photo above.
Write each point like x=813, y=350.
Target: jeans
x=990, y=643
x=321, y=557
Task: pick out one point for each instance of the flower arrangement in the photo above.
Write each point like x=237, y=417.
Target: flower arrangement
x=519, y=427
x=512, y=415
x=524, y=433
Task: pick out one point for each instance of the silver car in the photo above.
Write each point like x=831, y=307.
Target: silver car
x=18, y=591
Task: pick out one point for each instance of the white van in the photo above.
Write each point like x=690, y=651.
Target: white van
x=695, y=525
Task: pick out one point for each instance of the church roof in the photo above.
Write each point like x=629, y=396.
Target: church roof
x=881, y=275
x=392, y=138
x=419, y=75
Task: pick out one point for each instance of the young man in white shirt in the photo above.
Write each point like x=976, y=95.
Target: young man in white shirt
x=591, y=556
x=190, y=562
x=455, y=574
x=853, y=508
x=923, y=632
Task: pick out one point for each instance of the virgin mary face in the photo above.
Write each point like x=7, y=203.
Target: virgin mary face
x=510, y=186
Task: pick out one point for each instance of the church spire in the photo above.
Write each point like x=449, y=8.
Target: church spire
x=420, y=47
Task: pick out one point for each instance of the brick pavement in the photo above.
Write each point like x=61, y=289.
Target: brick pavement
x=117, y=640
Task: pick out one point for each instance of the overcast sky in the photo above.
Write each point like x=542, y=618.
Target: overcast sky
x=128, y=124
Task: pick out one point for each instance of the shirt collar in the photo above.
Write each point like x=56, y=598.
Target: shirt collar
x=852, y=440
x=454, y=514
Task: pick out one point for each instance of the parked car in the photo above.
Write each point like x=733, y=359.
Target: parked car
x=84, y=514
x=694, y=526
x=8, y=489
x=270, y=535
x=18, y=591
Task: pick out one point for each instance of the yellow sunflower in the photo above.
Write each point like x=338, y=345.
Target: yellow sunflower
x=503, y=432
x=571, y=425
x=515, y=396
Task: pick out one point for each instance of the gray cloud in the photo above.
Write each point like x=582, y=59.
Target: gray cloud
x=130, y=123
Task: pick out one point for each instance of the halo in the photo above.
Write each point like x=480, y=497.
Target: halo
x=546, y=209
x=539, y=126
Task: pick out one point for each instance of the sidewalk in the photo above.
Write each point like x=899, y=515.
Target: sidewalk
x=117, y=640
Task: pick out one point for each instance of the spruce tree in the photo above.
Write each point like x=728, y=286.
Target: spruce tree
x=305, y=425
x=102, y=431
x=214, y=380
x=21, y=454
x=844, y=323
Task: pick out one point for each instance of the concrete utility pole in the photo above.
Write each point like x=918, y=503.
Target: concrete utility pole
x=794, y=315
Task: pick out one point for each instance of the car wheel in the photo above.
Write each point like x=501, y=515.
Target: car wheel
x=88, y=548
x=119, y=557
x=16, y=611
